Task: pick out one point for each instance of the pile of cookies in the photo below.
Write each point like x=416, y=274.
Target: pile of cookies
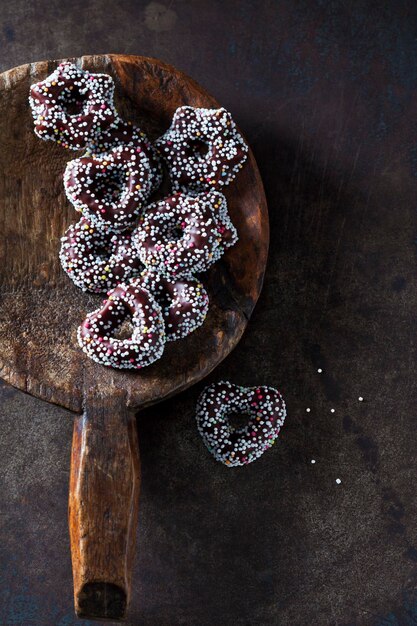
x=144, y=255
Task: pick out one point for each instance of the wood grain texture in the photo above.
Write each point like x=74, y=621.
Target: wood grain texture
x=103, y=509
x=40, y=309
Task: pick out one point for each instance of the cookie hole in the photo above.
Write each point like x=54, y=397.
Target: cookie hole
x=171, y=230
x=163, y=299
x=176, y=233
x=111, y=190
x=196, y=147
x=72, y=101
x=101, y=252
x=237, y=420
x=125, y=330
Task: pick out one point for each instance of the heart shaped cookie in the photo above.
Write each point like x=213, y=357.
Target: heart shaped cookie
x=239, y=446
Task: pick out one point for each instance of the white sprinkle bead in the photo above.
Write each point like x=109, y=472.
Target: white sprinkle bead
x=360, y=399
x=338, y=481
x=308, y=409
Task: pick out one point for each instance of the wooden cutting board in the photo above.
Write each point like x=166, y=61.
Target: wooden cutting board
x=40, y=310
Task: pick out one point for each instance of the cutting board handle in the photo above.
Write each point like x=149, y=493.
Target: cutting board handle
x=103, y=508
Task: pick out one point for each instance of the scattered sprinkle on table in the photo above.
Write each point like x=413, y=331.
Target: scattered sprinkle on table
x=313, y=461
x=319, y=370
x=338, y=481
x=360, y=399
x=308, y=410
x=332, y=410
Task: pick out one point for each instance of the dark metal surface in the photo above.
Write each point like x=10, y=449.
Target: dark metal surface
x=326, y=93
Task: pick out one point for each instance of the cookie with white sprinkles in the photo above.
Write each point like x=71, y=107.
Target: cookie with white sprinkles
x=183, y=234
x=126, y=134
x=184, y=302
x=128, y=332
x=202, y=148
x=72, y=106
x=110, y=189
x=97, y=260
x=239, y=446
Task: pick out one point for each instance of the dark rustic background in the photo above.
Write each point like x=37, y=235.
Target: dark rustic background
x=326, y=92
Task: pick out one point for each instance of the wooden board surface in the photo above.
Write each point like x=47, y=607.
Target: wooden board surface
x=40, y=308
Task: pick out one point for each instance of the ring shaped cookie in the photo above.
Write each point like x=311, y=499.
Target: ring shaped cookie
x=124, y=134
x=98, y=260
x=239, y=446
x=71, y=106
x=202, y=148
x=110, y=189
x=180, y=235
x=103, y=338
